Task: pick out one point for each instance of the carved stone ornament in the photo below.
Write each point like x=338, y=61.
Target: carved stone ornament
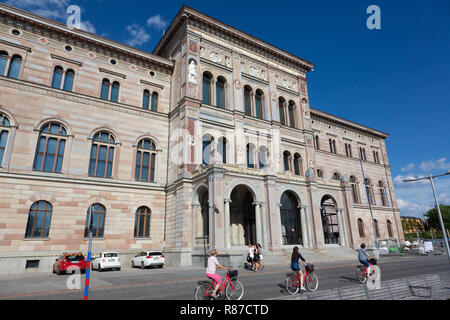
x=253, y=72
x=237, y=84
x=43, y=40
x=214, y=56
x=228, y=61
x=274, y=96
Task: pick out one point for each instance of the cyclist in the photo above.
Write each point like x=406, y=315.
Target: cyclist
x=295, y=266
x=363, y=255
x=211, y=270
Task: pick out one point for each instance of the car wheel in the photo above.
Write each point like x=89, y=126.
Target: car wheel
x=99, y=268
x=160, y=266
x=118, y=269
x=132, y=264
x=142, y=265
x=58, y=271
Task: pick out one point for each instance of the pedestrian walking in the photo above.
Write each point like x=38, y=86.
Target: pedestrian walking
x=260, y=251
x=255, y=257
x=250, y=256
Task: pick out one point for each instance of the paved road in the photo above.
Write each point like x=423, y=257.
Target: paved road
x=176, y=283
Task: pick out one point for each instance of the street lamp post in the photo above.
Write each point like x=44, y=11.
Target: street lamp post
x=430, y=177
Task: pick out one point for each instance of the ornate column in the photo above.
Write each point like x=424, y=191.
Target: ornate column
x=305, y=226
x=258, y=221
x=227, y=223
x=264, y=225
x=341, y=228
x=279, y=205
x=344, y=227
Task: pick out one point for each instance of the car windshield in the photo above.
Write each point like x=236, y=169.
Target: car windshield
x=75, y=257
x=110, y=255
x=155, y=254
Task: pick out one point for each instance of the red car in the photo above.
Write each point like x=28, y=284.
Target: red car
x=68, y=260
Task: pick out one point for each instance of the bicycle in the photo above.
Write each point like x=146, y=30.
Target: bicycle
x=361, y=270
x=293, y=281
x=231, y=288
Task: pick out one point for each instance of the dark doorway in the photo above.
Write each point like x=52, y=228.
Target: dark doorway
x=330, y=225
x=242, y=217
x=290, y=219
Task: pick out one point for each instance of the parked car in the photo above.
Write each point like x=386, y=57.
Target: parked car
x=106, y=260
x=67, y=260
x=148, y=259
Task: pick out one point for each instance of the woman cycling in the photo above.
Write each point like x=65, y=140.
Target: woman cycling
x=295, y=266
x=363, y=255
x=211, y=270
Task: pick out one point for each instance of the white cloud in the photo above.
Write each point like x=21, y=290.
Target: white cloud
x=432, y=164
x=87, y=26
x=157, y=21
x=408, y=167
x=138, y=35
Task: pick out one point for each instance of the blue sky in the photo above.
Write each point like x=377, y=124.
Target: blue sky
x=396, y=79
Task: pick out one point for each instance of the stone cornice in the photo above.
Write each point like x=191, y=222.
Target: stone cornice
x=57, y=31
x=54, y=56
x=12, y=44
x=201, y=21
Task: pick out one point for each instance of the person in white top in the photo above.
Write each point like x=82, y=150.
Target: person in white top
x=211, y=270
x=251, y=256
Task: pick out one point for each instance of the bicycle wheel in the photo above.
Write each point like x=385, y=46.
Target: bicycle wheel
x=201, y=292
x=312, y=282
x=234, y=290
x=361, y=274
x=292, y=284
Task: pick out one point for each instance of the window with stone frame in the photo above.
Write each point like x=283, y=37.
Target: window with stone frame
x=5, y=126
x=355, y=189
x=97, y=212
x=361, y=228
x=145, y=161
x=39, y=220
x=50, y=148
x=102, y=155
x=142, y=222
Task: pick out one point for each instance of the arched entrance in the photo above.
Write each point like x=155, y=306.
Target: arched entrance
x=291, y=229
x=242, y=217
x=328, y=210
x=202, y=226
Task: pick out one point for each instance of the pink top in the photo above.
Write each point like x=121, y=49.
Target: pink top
x=212, y=262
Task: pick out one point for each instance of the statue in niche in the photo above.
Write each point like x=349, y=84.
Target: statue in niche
x=253, y=72
x=192, y=72
x=202, y=52
x=215, y=57
x=286, y=84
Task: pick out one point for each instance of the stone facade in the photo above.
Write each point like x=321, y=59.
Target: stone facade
x=213, y=83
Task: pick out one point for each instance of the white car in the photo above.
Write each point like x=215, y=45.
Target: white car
x=148, y=259
x=106, y=260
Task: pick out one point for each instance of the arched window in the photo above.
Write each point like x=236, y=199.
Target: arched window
x=115, y=91
x=3, y=62
x=57, y=77
x=291, y=114
x=259, y=104
x=389, y=227
x=206, y=153
x=377, y=228
x=316, y=142
x=220, y=92
x=383, y=193
x=4, y=132
x=336, y=176
x=142, y=223
x=39, y=219
x=97, y=224
x=14, y=67
x=281, y=107
x=154, y=105
x=250, y=155
x=222, y=149
x=355, y=189
x=105, y=89
x=370, y=191
x=262, y=157
x=145, y=161
x=297, y=164
x=207, y=84
x=361, y=228
x=248, y=100
x=287, y=161
x=146, y=99
x=68, y=80
x=50, y=148
x=320, y=174
x=102, y=155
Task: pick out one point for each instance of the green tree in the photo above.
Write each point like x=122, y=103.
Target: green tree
x=433, y=217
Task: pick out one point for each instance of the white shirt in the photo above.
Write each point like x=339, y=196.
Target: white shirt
x=212, y=262
x=251, y=252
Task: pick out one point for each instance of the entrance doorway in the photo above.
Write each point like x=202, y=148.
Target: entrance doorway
x=291, y=229
x=242, y=217
x=328, y=210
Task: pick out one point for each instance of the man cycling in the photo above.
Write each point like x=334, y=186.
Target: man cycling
x=211, y=271
x=295, y=266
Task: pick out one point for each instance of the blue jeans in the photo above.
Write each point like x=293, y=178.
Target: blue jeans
x=366, y=262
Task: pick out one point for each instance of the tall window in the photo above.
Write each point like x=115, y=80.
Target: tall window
x=389, y=227
x=146, y=99
x=115, y=91
x=50, y=148
x=316, y=142
x=348, y=150
x=145, y=161
x=248, y=100
x=297, y=164
x=4, y=57
x=361, y=228
x=98, y=213
x=220, y=92
x=222, y=149
x=142, y=223
x=206, y=154
x=383, y=193
x=105, y=89
x=102, y=155
x=14, y=67
x=332, y=145
x=376, y=159
x=320, y=174
x=259, y=104
x=57, y=77
x=370, y=191
x=362, y=153
x=207, y=81
x=287, y=160
x=68, y=80
x=355, y=189
x=4, y=132
x=377, y=228
x=154, y=105
x=250, y=156
x=336, y=176
x=110, y=92
x=281, y=107
x=291, y=114
x=262, y=157
x=39, y=219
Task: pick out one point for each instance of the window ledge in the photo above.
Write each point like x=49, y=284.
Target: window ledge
x=36, y=239
x=142, y=238
x=93, y=238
